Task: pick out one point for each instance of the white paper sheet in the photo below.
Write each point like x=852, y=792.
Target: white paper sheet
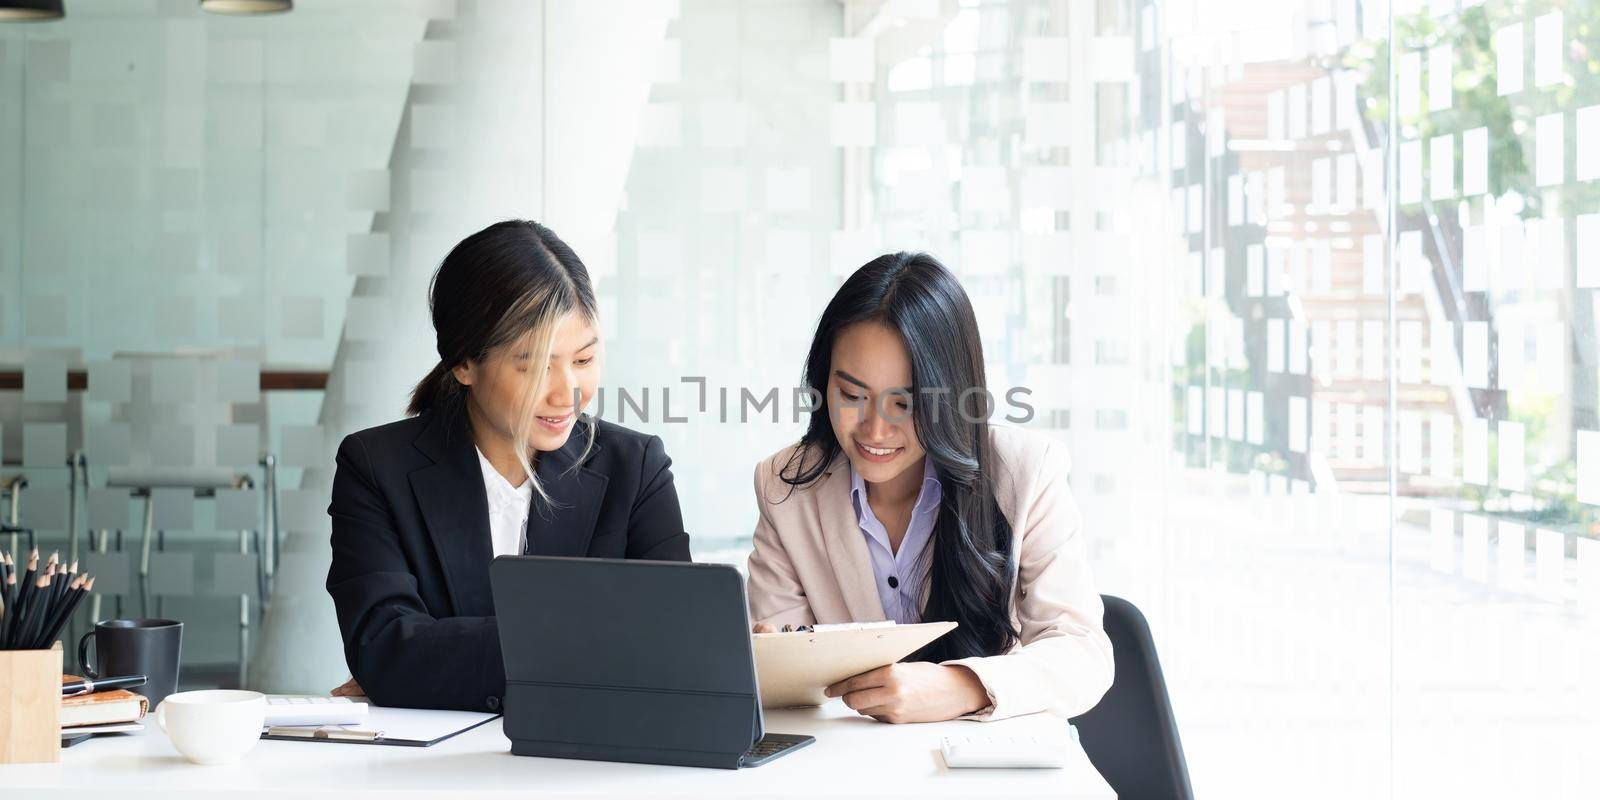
x=412, y=724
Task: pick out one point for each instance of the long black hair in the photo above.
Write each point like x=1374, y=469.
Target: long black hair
x=970, y=566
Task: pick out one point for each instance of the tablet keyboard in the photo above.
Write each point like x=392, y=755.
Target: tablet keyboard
x=771, y=746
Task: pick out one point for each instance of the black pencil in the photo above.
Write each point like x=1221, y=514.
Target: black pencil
x=7, y=621
x=24, y=592
x=33, y=614
x=71, y=608
x=10, y=582
x=48, y=619
x=66, y=580
x=62, y=612
x=25, y=585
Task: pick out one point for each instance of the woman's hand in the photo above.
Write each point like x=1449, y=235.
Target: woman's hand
x=762, y=627
x=348, y=689
x=913, y=692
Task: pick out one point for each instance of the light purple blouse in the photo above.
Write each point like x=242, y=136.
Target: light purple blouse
x=899, y=576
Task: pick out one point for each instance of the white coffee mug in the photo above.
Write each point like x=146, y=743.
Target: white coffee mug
x=213, y=726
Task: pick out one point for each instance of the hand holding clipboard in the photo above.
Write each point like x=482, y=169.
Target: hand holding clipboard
x=793, y=668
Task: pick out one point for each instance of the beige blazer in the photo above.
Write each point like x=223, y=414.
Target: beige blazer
x=810, y=565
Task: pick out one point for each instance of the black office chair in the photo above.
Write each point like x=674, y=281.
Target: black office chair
x=1131, y=736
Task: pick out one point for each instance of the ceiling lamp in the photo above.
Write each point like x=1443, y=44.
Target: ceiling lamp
x=245, y=6
x=30, y=10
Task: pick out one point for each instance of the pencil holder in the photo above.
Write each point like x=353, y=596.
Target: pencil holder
x=30, y=705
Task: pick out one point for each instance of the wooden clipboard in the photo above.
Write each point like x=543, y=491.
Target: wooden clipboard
x=792, y=669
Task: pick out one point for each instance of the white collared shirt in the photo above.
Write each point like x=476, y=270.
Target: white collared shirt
x=508, y=509
x=900, y=575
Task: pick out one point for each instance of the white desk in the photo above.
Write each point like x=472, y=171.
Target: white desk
x=852, y=757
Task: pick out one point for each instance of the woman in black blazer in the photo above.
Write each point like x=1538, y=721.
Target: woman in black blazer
x=412, y=530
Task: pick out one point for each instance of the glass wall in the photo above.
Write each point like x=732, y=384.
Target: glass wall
x=1306, y=288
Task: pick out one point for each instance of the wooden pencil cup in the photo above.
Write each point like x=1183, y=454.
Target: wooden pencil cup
x=30, y=705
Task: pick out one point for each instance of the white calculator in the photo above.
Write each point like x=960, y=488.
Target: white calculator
x=1003, y=752
x=283, y=710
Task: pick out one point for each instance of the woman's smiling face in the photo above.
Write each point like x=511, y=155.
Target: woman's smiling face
x=869, y=400
x=499, y=382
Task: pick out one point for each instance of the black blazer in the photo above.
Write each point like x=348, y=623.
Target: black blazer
x=411, y=547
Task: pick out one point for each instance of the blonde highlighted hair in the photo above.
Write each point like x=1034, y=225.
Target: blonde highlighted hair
x=509, y=284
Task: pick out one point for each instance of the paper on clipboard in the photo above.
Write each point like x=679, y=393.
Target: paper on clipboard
x=792, y=669
x=406, y=727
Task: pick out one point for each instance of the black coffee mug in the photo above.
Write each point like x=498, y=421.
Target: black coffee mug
x=148, y=647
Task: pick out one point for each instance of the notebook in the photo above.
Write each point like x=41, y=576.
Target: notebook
x=100, y=708
x=793, y=668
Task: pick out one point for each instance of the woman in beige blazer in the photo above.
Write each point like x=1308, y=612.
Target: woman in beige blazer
x=902, y=501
